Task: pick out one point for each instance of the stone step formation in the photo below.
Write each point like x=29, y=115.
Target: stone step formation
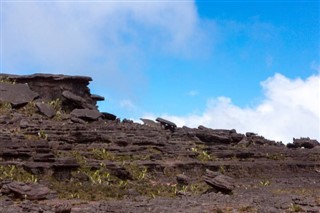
x=59, y=153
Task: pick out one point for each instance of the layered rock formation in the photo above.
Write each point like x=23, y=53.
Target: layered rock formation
x=58, y=153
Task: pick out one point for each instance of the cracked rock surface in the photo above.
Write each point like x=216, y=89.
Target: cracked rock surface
x=89, y=161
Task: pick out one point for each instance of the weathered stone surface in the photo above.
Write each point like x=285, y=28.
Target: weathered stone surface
x=109, y=116
x=20, y=190
x=76, y=101
x=97, y=97
x=303, y=142
x=182, y=179
x=51, y=87
x=150, y=123
x=86, y=114
x=137, y=163
x=46, y=109
x=167, y=124
x=16, y=94
x=221, y=183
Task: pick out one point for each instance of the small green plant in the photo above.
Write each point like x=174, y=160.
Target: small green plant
x=12, y=172
x=5, y=107
x=138, y=172
x=265, y=183
x=102, y=154
x=42, y=135
x=295, y=208
x=143, y=173
x=7, y=80
x=56, y=104
x=202, y=155
x=279, y=156
x=99, y=176
x=222, y=170
x=29, y=109
x=247, y=209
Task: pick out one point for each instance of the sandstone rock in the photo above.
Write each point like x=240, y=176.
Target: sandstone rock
x=16, y=94
x=249, y=134
x=109, y=116
x=303, y=142
x=28, y=191
x=150, y=123
x=76, y=101
x=167, y=124
x=24, y=123
x=63, y=208
x=46, y=109
x=221, y=183
x=50, y=88
x=182, y=179
x=97, y=97
x=86, y=114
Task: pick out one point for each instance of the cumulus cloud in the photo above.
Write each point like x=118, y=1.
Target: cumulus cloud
x=72, y=37
x=290, y=108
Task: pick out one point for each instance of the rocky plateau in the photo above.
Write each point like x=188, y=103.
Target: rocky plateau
x=60, y=154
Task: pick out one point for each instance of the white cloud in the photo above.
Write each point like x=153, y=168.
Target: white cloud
x=107, y=40
x=291, y=108
x=71, y=36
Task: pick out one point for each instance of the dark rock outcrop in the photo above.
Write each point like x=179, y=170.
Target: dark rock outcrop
x=303, y=143
x=220, y=183
x=167, y=124
x=46, y=109
x=89, y=156
x=29, y=191
x=86, y=114
x=16, y=94
x=109, y=116
x=50, y=87
x=182, y=179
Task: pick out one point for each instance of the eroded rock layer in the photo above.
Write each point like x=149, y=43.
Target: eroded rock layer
x=66, y=156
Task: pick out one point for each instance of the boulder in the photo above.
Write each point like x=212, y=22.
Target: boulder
x=182, y=179
x=46, y=109
x=97, y=97
x=72, y=99
x=16, y=94
x=51, y=87
x=303, y=143
x=86, y=114
x=109, y=116
x=29, y=191
x=149, y=122
x=167, y=124
x=220, y=183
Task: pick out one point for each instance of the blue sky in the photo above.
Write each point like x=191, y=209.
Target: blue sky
x=247, y=65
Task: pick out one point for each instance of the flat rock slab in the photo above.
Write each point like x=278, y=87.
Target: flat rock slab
x=16, y=94
x=86, y=114
x=109, y=116
x=28, y=191
x=221, y=183
x=76, y=100
x=167, y=124
x=150, y=123
x=46, y=109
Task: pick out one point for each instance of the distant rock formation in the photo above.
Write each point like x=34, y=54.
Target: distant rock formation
x=73, y=91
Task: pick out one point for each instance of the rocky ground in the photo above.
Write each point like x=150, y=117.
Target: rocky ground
x=58, y=153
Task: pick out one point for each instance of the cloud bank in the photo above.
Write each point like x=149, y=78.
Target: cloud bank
x=290, y=108
x=110, y=39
